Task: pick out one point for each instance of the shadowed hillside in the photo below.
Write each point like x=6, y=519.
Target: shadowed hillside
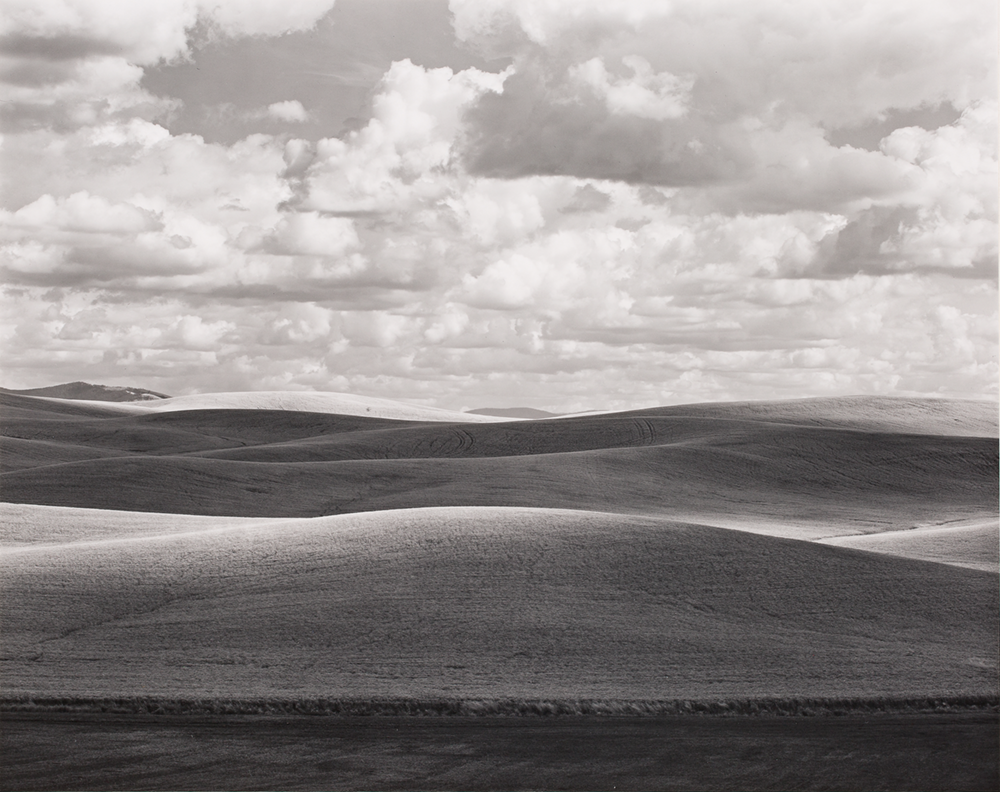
x=869, y=490
x=486, y=603
x=814, y=477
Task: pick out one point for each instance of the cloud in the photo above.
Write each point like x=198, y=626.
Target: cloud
x=740, y=52
x=140, y=32
x=143, y=33
x=646, y=94
x=712, y=82
x=311, y=234
x=796, y=168
x=944, y=219
x=645, y=207
x=71, y=62
x=588, y=199
x=416, y=120
x=478, y=21
x=79, y=212
x=551, y=124
x=290, y=110
x=264, y=17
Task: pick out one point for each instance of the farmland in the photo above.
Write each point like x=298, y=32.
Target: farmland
x=819, y=550
x=78, y=752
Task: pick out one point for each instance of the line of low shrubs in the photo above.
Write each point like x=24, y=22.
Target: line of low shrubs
x=148, y=705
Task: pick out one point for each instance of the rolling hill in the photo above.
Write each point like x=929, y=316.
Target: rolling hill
x=484, y=602
x=816, y=548
x=783, y=467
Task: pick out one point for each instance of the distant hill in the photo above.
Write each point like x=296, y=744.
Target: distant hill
x=513, y=412
x=84, y=390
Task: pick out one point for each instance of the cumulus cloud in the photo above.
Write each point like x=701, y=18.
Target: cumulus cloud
x=416, y=120
x=311, y=234
x=716, y=79
x=289, y=110
x=644, y=207
x=72, y=62
x=552, y=123
x=645, y=94
x=79, y=212
x=740, y=52
x=143, y=33
x=263, y=17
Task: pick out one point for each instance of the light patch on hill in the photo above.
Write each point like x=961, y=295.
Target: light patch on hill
x=974, y=544
x=304, y=401
x=28, y=525
x=968, y=543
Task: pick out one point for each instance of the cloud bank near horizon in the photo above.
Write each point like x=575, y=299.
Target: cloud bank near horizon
x=628, y=205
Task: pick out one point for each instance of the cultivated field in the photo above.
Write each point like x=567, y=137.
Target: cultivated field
x=485, y=602
x=888, y=752
x=786, y=471
x=965, y=543
x=247, y=549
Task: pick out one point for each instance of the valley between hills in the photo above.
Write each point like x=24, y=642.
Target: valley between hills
x=242, y=547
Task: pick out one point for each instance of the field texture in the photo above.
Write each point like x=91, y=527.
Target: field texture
x=489, y=602
x=925, y=752
x=786, y=468
x=668, y=553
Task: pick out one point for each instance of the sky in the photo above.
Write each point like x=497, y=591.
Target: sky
x=559, y=204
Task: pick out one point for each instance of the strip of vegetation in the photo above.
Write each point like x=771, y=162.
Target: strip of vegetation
x=147, y=705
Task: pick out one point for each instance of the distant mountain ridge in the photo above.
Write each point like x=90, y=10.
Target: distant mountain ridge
x=85, y=390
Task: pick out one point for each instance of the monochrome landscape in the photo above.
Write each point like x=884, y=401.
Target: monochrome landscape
x=321, y=552
x=499, y=394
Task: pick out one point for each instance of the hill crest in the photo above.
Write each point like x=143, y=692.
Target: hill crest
x=91, y=392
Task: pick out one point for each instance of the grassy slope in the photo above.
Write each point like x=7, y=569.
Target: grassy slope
x=867, y=413
x=473, y=602
x=628, y=599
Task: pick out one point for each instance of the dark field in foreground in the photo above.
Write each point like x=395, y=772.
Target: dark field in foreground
x=885, y=752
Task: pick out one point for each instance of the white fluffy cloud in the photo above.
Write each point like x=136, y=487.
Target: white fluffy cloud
x=144, y=33
x=645, y=207
x=75, y=62
x=836, y=61
x=289, y=110
x=720, y=92
x=644, y=94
